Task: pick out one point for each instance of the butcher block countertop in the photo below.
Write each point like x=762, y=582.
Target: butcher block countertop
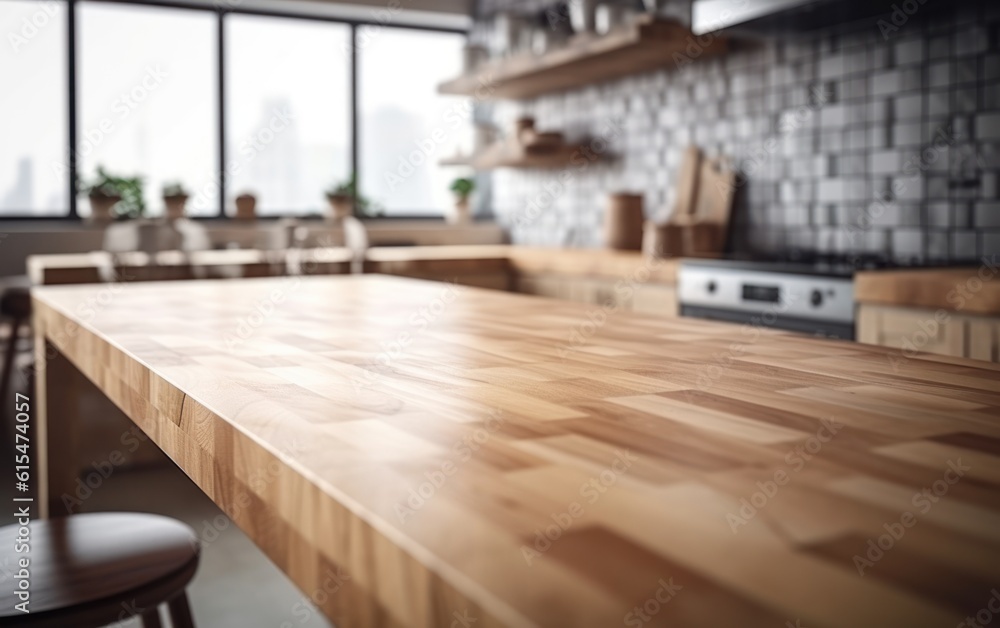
x=595, y=263
x=453, y=452
x=972, y=290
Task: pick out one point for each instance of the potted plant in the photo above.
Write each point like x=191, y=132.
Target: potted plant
x=344, y=200
x=246, y=206
x=463, y=188
x=113, y=196
x=175, y=197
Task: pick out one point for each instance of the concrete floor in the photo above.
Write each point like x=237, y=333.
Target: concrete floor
x=237, y=586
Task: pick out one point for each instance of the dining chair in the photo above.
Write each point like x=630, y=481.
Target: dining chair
x=94, y=569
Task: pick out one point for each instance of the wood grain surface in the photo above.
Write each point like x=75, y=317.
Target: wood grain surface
x=404, y=451
x=416, y=261
x=972, y=290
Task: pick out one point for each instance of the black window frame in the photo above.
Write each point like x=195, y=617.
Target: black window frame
x=221, y=9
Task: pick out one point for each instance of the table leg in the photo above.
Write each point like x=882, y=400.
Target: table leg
x=57, y=388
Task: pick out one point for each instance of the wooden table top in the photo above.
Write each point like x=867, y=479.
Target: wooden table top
x=524, y=461
x=973, y=290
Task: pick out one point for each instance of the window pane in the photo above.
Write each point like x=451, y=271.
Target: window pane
x=288, y=122
x=406, y=127
x=148, y=100
x=33, y=118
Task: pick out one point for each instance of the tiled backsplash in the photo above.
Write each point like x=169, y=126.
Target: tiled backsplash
x=849, y=140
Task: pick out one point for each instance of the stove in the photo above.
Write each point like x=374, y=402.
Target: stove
x=799, y=291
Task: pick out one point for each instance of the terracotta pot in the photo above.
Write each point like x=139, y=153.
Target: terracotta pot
x=101, y=207
x=175, y=206
x=461, y=213
x=246, y=207
x=341, y=205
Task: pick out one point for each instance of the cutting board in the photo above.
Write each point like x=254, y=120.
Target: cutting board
x=716, y=187
x=687, y=187
x=700, y=218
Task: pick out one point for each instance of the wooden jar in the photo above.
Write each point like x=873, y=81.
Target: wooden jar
x=623, y=222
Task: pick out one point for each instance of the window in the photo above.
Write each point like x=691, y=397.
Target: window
x=405, y=126
x=148, y=103
x=294, y=122
x=288, y=121
x=34, y=173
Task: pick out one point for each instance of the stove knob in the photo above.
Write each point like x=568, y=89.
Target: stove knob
x=816, y=298
x=711, y=287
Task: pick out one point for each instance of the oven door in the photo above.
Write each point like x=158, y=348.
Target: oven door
x=821, y=329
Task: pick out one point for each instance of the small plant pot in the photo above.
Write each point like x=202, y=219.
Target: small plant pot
x=246, y=207
x=175, y=206
x=341, y=205
x=461, y=213
x=102, y=207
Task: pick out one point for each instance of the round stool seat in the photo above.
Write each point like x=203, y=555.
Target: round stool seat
x=16, y=302
x=94, y=569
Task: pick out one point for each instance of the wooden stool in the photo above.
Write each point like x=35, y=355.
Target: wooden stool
x=15, y=304
x=91, y=570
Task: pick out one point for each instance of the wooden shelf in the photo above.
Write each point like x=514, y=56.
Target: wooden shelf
x=462, y=160
x=513, y=155
x=646, y=44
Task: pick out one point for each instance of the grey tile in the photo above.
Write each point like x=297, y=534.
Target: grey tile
x=886, y=82
x=937, y=187
x=991, y=243
x=878, y=58
x=937, y=245
x=879, y=110
x=938, y=103
x=831, y=141
x=854, y=88
x=939, y=215
x=962, y=215
x=907, y=244
x=987, y=215
x=907, y=134
x=857, y=139
x=969, y=41
x=909, y=52
x=908, y=107
x=939, y=74
x=833, y=116
x=966, y=71
x=832, y=66
x=991, y=96
x=963, y=244
x=908, y=188
x=991, y=66
x=852, y=165
x=988, y=185
x=964, y=100
x=939, y=47
x=988, y=126
x=911, y=78
x=886, y=162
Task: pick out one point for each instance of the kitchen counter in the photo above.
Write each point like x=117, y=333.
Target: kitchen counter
x=441, y=453
x=973, y=290
x=582, y=263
